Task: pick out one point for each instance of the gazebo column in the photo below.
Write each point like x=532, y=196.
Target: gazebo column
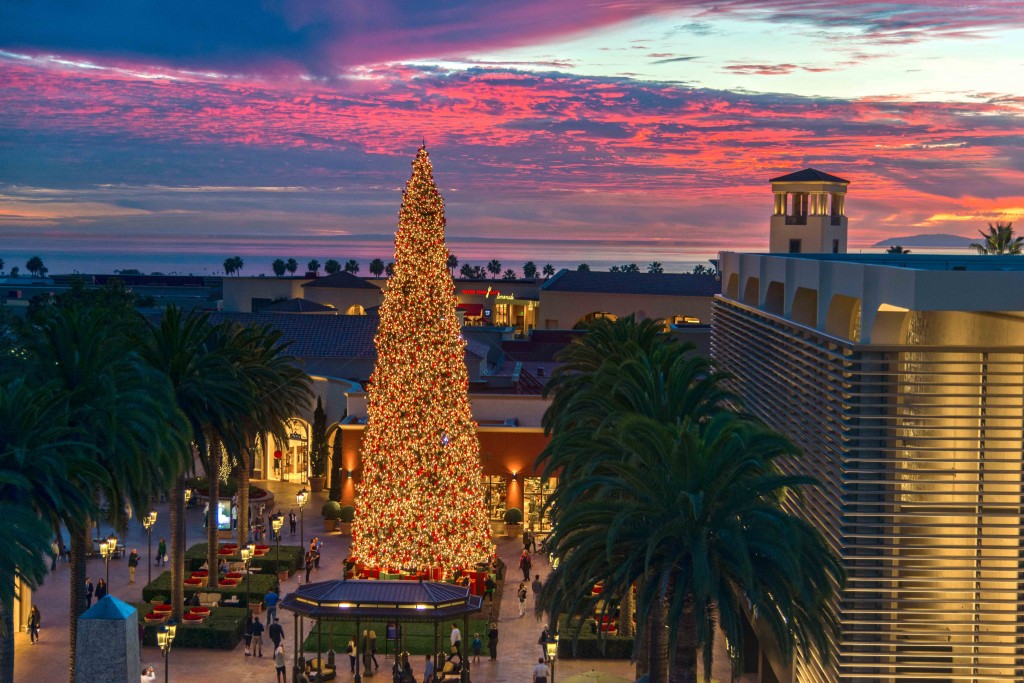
x=358, y=677
x=319, y=646
x=438, y=666
x=465, y=639
x=296, y=667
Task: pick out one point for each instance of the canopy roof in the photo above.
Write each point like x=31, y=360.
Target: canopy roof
x=348, y=600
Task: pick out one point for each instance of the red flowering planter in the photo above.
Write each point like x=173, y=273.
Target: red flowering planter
x=260, y=553
x=225, y=552
x=154, y=618
x=229, y=583
x=192, y=618
x=199, y=574
x=263, y=547
x=230, y=546
x=234, y=575
x=195, y=581
x=162, y=609
x=202, y=611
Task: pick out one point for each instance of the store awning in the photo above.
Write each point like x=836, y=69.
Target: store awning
x=472, y=310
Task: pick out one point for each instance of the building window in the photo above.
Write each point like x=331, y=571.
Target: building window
x=794, y=246
x=495, y=491
x=256, y=305
x=835, y=246
x=535, y=494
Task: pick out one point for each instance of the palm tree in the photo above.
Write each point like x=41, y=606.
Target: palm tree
x=692, y=512
x=205, y=388
x=389, y=269
x=630, y=268
x=615, y=269
x=291, y=265
x=313, y=266
x=530, y=270
x=897, y=249
x=279, y=267
x=583, y=268
x=548, y=270
x=41, y=468
x=494, y=267
x=332, y=266
x=233, y=265
x=118, y=404
x=453, y=263
x=655, y=268
x=35, y=266
x=352, y=266
x=999, y=240
x=479, y=273
x=377, y=267
x=467, y=271
x=509, y=274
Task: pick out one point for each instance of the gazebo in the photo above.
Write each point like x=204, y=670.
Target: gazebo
x=362, y=600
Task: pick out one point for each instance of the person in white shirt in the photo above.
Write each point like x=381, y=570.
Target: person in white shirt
x=456, y=640
x=540, y=671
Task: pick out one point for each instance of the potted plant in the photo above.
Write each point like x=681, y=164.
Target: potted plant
x=348, y=513
x=513, y=522
x=331, y=512
x=318, y=450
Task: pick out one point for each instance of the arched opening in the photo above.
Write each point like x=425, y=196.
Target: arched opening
x=843, y=317
x=732, y=287
x=805, y=306
x=355, y=309
x=775, y=298
x=591, y=317
x=293, y=465
x=750, y=291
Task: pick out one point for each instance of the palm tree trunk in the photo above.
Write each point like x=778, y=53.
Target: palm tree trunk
x=658, y=639
x=684, y=668
x=213, y=477
x=80, y=546
x=643, y=653
x=243, y=501
x=7, y=634
x=627, y=607
x=176, y=509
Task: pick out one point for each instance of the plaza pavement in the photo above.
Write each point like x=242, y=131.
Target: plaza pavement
x=518, y=649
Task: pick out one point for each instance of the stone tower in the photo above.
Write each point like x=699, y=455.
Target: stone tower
x=810, y=213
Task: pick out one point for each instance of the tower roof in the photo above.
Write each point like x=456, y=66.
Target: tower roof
x=809, y=175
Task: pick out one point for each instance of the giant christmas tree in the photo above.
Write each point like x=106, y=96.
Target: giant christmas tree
x=420, y=503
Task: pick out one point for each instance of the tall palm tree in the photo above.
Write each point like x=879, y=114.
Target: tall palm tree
x=897, y=249
x=453, y=263
x=377, y=267
x=998, y=240
x=205, y=389
x=494, y=268
x=352, y=266
x=118, y=404
x=655, y=267
x=548, y=270
x=530, y=270
x=42, y=468
x=331, y=266
x=693, y=513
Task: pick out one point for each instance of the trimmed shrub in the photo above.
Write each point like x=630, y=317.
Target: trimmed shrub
x=331, y=510
x=348, y=514
x=222, y=630
x=513, y=516
x=226, y=489
x=258, y=584
x=419, y=637
x=588, y=644
x=291, y=558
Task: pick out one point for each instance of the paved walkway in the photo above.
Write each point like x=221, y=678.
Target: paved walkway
x=48, y=659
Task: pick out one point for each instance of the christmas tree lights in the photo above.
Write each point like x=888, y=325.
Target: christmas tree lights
x=421, y=501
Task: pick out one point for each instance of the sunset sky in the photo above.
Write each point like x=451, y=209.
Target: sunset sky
x=169, y=135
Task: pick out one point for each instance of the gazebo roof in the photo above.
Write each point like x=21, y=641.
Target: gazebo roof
x=348, y=600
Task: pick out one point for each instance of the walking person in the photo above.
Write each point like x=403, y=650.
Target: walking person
x=161, y=552
x=526, y=564
x=489, y=586
x=541, y=672
x=271, y=599
x=456, y=638
x=492, y=640
x=34, y=622
x=276, y=633
x=478, y=646
x=257, y=637
x=280, y=664
x=373, y=648
x=55, y=551
x=521, y=594
x=133, y=562
x=292, y=520
x=317, y=545
x=428, y=670
x=248, y=633
x=352, y=654
x=527, y=538
x=536, y=587
x=543, y=642
x=308, y=564
x=88, y=593
x=101, y=589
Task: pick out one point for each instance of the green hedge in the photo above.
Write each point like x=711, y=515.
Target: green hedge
x=590, y=645
x=291, y=558
x=222, y=630
x=419, y=637
x=259, y=585
x=226, y=489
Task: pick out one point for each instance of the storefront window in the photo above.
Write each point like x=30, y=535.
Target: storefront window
x=495, y=491
x=535, y=494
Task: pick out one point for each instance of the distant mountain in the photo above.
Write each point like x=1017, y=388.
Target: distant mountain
x=932, y=241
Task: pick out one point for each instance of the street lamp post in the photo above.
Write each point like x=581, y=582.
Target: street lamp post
x=300, y=499
x=276, y=524
x=184, y=515
x=551, y=649
x=147, y=522
x=247, y=553
x=164, y=638
x=107, y=550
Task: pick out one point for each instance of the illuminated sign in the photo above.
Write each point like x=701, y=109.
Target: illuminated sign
x=505, y=297
x=482, y=292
